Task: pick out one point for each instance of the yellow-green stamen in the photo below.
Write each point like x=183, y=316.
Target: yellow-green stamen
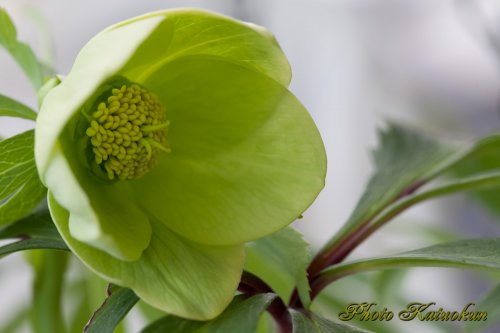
x=127, y=131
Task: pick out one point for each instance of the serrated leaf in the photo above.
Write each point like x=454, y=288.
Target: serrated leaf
x=13, y=108
x=405, y=158
x=281, y=260
x=21, y=52
x=488, y=304
x=311, y=323
x=20, y=187
x=115, y=307
x=241, y=316
x=481, y=254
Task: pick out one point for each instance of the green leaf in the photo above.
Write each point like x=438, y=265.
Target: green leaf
x=20, y=187
x=281, y=260
x=183, y=278
x=404, y=160
x=21, y=52
x=241, y=316
x=488, y=304
x=481, y=254
x=36, y=225
x=32, y=244
x=87, y=291
x=113, y=310
x=311, y=323
x=12, y=108
x=36, y=232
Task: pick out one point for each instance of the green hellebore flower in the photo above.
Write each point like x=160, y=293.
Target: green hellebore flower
x=171, y=143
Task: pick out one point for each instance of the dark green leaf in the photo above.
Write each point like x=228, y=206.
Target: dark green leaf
x=113, y=310
x=404, y=160
x=37, y=225
x=489, y=304
x=281, y=260
x=477, y=253
x=174, y=325
x=241, y=316
x=12, y=108
x=32, y=244
x=36, y=232
x=310, y=323
x=21, y=52
x=20, y=187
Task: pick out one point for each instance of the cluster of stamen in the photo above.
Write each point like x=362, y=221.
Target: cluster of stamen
x=127, y=131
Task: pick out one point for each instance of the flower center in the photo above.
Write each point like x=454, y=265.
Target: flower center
x=127, y=131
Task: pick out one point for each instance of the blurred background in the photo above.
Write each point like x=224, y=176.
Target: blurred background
x=357, y=63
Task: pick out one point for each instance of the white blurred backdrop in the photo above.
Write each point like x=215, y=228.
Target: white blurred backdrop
x=356, y=63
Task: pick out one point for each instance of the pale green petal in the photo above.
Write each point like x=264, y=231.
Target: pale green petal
x=95, y=216
x=188, y=32
x=246, y=156
x=100, y=59
x=175, y=275
x=101, y=214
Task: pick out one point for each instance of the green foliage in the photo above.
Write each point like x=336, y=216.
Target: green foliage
x=246, y=161
x=311, y=323
x=281, y=260
x=404, y=160
x=21, y=52
x=116, y=306
x=36, y=231
x=32, y=244
x=12, y=108
x=20, y=187
x=480, y=254
x=36, y=225
x=241, y=316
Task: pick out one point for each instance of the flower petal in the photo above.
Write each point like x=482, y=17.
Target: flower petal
x=101, y=215
x=246, y=156
x=188, y=32
x=100, y=59
x=175, y=275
